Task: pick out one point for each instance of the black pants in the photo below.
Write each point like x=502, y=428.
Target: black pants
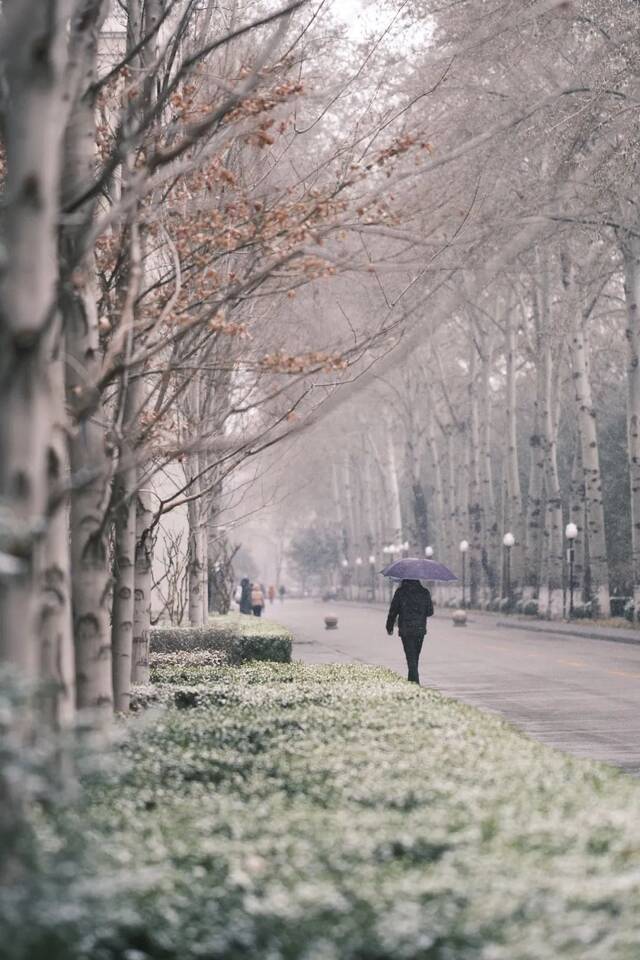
x=412, y=648
x=257, y=611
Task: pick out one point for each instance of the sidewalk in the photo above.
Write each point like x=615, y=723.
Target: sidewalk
x=571, y=629
x=575, y=628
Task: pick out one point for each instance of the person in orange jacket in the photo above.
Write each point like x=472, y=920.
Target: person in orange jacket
x=257, y=599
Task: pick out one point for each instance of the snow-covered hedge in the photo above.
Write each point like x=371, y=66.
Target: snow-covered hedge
x=239, y=637
x=333, y=813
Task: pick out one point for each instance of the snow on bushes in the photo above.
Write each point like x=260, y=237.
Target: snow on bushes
x=240, y=638
x=339, y=813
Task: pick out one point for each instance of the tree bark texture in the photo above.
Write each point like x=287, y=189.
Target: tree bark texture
x=631, y=249
x=34, y=121
x=587, y=429
x=57, y=668
x=89, y=458
x=142, y=585
x=514, y=493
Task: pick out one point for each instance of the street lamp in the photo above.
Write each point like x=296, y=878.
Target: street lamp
x=508, y=540
x=346, y=581
x=428, y=552
x=571, y=532
x=464, y=546
x=372, y=570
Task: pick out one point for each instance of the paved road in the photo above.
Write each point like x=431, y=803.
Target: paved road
x=581, y=695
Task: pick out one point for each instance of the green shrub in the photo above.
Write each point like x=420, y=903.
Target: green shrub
x=335, y=813
x=531, y=608
x=240, y=638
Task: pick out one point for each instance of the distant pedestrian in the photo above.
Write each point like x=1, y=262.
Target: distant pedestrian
x=245, y=596
x=282, y=592
x=271, y=593
x=257, y=600
x=411, y=605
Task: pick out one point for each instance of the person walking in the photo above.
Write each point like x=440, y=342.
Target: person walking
x=411, y=605
x=257, y=599
x=282, y=592
x=272, y=593
x=245, y=596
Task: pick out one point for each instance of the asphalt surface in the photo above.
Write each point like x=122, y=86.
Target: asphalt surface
x=578, y=694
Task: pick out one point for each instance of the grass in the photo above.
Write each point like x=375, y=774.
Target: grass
x=290, y=812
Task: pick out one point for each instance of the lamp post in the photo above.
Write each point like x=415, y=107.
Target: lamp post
x=428, y=552
x=508, y=540
x=571, y=532
x=344, y=563
x=464, y=546
x=358, y=577
x=389, y=550
x=372, y=571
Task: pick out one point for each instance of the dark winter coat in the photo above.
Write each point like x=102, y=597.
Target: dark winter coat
x=245, y=596
x=411, y=605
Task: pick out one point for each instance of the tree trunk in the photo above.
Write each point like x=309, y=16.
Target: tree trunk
x=599, y=566
x=123, y=588
x=553, y=522
x=443, y=540
x=57, y=655
x=33, y=125
x=194, y=562
x=142, y=586
x=204, y=564
x=535, y=492
x=476, y=510
x=631, y=250
x=90, y=464
x=491, y=549
x=577, y=516
x=514, y=493
x=395, y=531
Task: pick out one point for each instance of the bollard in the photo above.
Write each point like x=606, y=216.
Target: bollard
x=331, y=623
x=459, y=618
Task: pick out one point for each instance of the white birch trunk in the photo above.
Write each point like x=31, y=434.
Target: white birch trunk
x=90, y=466
x=57, y=668
x=535, y=492
x=204, y=561
x=491, y=520
x=476, y=510
x=514, y=493
x=33, y=125
x=591, y=468
x=554, y=533
x=631, y=251
x=123, y=589
x=394, y=486
x=443, y=545
x=142, y=587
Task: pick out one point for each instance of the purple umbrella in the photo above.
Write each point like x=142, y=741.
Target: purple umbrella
x=417, y=568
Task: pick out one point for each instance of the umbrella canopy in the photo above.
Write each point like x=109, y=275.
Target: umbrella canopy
x=418, y=568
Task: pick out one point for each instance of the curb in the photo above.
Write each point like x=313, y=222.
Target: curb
x=571, y=632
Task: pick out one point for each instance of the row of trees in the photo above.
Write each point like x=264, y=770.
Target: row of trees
x=220, y=225
x=160, y=210
x=517, y=405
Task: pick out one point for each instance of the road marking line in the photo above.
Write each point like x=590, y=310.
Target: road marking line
x=623, y=673
x=573, y=663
